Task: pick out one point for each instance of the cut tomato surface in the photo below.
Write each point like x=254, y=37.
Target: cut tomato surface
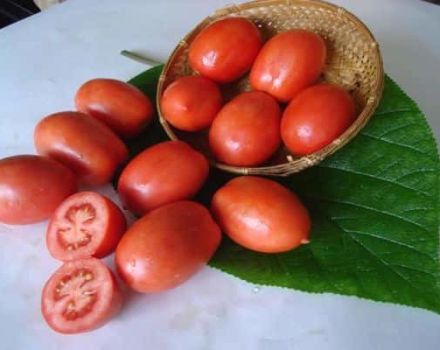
x=86, y=224
x=80, y=296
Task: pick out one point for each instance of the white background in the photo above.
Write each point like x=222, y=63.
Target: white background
x=44, y=59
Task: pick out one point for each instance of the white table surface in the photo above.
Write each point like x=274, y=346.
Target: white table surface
x=44, y=59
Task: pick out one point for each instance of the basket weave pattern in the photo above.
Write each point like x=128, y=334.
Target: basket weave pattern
x=353, y=61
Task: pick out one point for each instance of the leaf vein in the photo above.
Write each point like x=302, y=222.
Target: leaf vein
x=394, y=242
x=394, y=111
x=374, y=210
x=398, y=144
x=350, y=171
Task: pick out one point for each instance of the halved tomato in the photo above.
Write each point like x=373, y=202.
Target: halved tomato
x=80, y=296
x=86, y=224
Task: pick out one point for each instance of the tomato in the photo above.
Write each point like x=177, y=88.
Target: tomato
x=80, y=296
x=86, y=224
x=261, y=215
x=167, y=246
x=123, y=107
x=316, y=117
x=246, y=131
x=82, y=143
x=226, y=49
x=191, y=103
x=31, y=188
x=287, y=63
x=164, y=173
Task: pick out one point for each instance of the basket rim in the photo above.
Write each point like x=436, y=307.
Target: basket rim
x=291, y=165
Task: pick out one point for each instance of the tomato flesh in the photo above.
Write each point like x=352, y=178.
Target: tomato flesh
x=86, y=224
x=80, y=296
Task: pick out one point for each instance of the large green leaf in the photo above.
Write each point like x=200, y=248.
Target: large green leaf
x=375, y=211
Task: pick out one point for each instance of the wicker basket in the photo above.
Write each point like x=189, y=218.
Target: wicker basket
x=354, y=61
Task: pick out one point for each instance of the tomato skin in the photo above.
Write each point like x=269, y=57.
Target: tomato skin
x=261, y=215
x=246, y=131
x=289, y=62
x=226, y=49
x=85, y=225
x=164, y=173
x=167, y=246
x=191, y=103
x=107, y=299
x=82, y=143
x=316, y=117
x=31, y=188
x=119, y=105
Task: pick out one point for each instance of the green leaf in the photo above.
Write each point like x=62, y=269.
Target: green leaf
x=375, y=212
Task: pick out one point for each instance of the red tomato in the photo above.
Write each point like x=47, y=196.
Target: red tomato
x=191, y=103
x=86, y=224
x=123, y=107
x=226, y=49
x=165, y=173
x=32, y=187
x=82, y=143
x=80, y=296
x=246, y=131
x=261, y=215
x=288, y=63
x=316, y=117
x=167, y=246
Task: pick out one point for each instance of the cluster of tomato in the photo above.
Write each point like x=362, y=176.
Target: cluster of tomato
x=250, y=128
x=174, y=236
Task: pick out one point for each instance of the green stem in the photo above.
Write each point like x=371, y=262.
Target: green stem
x=140, y=58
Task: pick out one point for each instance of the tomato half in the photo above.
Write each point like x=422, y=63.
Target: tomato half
x=80, y=296
x=82, y=143
x=86, y=224
x=287, y=63
x=246, y=131
x=316, y=117
x=164, y=173
x=123, y=107
x=261, y=215
x=167, y=246
x=191, y=103
x=226, y=49
x=32, y=187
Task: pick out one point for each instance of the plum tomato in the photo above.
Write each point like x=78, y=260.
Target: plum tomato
x=261, y=215
x=32, y=187
x=83, y=144
x=191, y=103
x=226, y=49
x=246, y=131
x=316, y=117
x=164, y=173
x=123, y=107
x=85, y=225
x=80, y=296
x=289, y=62
x=167, y=246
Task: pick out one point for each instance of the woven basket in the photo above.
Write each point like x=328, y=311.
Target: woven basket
x=353, y=61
